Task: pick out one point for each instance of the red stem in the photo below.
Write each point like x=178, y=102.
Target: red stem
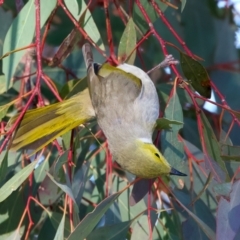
x=161, y=41
x=79, y=28
x=169, y=26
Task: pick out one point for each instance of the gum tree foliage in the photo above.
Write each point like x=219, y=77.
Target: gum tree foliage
x=71, y=189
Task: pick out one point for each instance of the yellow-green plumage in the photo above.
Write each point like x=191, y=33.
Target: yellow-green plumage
x=42, y=125
x=125, y=103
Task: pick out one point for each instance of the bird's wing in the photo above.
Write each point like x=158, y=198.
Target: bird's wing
x=111, y=85
x=108, y=83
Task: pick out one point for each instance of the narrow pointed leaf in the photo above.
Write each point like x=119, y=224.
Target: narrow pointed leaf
x=206, y=229
x=213, y=149
x=139, y=18
x=183, y=3
x=128, y=43
x=21, y=33
x=60, y=231
x=64, y=187
x=228, y=223
x=3, y=110
x=89, y=24
x=196, y=74
x=111, y=232
x=172, y=148
x=3, y=166
x=12, y=184
x=223, y=189
x=139, y=190
x=90, y=221
x=164, y=123
x=229, y=152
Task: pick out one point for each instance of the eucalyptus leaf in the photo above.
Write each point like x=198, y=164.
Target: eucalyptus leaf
x=12, y=184
x=164, y=123
x=223, y=189
x=183, y=3
x=111, y=232
x=3, y=166
x=20, y=34
x=85, y=227
x=89, y=24
x=229, y=152
x=214, y=154
x=139, y=18
x=172, y=148
x=128, y=43
x=227, y=214
x=196, y=74
x=64, y=187
x=60, y=231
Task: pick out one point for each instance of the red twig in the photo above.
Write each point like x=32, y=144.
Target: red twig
x=165, y=21
x=116, y=3
x=79, y=28
x=161, y=41
x=109, y=33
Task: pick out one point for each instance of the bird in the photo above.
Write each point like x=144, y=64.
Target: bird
x=124, y=101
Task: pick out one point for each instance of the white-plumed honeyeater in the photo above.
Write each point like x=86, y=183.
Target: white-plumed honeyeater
x=125, y=103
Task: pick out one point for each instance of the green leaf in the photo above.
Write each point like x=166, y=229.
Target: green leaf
x=79, y=181
x=86, y=226
x=3, y=110
x=75, y=6
x=169, y=226
x=2, y=83
x=48, y=191
x=206, y=185
x=20, y=34
x=14, y=235
x=73, y=87
x=164, y=123
x=111, y=232
x=140, y=230
x=11, y=211
x=89, y=24
x=200, y=178
x=139, y=18
x=183, y=4
x=66, y=140
x=213, y=150
x=64, y=187
x=78, y=87
x=128, y=43
x=56, y=218
x=12, y=184
x=140, y=190
x=62, y=159
x=130, y=212
x=3, y=166
x=196, y=74
x=172, y=148
x=48, y=230
x=223, y=189
x=228, y=223
x=229, y=152
x=206, y=229
x=60, y=231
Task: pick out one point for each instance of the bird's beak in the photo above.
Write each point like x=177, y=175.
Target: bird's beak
x=176, y=172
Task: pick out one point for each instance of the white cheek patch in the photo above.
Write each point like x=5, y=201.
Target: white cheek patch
x=146, y=140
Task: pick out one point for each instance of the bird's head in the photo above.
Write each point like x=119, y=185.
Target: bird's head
x=151, y=161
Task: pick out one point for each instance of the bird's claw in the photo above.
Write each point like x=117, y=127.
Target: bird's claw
x=169, y=60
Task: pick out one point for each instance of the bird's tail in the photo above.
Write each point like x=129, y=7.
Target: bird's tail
x=87, y=54
x=42, y=125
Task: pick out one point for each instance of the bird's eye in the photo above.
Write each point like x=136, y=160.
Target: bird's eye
x=157, y=155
